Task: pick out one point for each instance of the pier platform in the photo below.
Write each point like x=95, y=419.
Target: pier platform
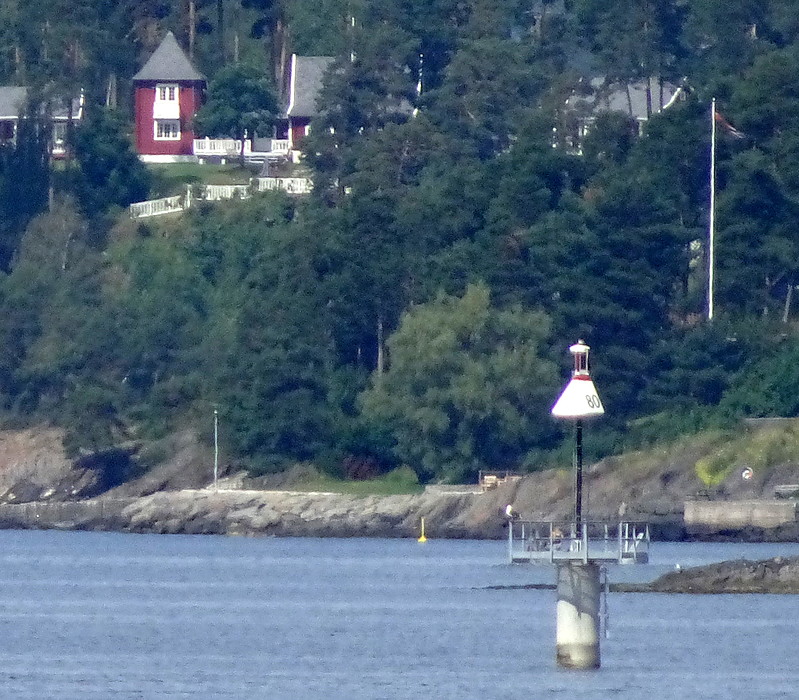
x=548, y=542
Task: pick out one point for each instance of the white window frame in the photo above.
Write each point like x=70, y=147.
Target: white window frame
x=161, y=133
x=166, y=92
x=59, y=133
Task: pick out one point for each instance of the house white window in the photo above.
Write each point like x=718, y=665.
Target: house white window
x=59, y=133
x=167, y=130
x=166, y=104
x=166, y=93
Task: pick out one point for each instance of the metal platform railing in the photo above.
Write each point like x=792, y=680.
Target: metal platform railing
x=548, y=542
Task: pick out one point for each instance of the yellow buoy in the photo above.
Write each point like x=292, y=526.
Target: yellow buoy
x=422, y=538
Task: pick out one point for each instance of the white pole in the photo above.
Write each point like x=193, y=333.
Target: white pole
x=711, y=253
x=216, y=450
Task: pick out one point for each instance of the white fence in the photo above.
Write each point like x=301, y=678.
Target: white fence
x=156, y=207
x=231, y=148
x=216, y=193
x=290, y=185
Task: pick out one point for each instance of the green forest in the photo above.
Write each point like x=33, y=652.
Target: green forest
x=415, y=309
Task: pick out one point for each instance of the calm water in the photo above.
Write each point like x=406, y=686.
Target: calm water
x=96, y=616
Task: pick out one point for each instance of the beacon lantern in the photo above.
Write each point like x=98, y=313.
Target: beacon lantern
x=580, y=398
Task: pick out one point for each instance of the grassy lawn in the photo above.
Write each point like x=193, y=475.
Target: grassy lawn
x=171, y=178
x=400, y=482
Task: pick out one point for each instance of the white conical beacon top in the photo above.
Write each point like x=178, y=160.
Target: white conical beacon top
x=579, y=399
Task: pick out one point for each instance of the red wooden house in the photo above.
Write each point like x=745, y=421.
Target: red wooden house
x=168, y=92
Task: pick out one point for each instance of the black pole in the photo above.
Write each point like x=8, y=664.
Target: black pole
x=578, y=473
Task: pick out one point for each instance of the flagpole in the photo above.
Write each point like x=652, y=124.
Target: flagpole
x=711, y=253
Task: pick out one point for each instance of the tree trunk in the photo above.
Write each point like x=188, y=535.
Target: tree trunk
x=788, y=297
x=380, y=356
x=220, y=29
x=279, y=50
x=192, y=26
x=111, y=92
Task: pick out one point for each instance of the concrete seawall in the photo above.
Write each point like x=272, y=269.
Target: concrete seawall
x=704, y=517
x=448, y=513
x=97, y=513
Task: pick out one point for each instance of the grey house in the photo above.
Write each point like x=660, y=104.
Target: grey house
x=13, y=102
x=638, y=100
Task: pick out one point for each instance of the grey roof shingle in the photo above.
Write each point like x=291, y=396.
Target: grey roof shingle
x=168, y=62
x=14, y=97
x=12, y=101
x=306, y=84
x=605, y=97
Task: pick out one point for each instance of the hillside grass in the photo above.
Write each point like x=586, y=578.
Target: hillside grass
x=759, y=449
x=399, y=482
x=171, y=178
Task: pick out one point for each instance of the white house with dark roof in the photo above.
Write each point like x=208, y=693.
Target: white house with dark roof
x=13, y=102
x=168, y=92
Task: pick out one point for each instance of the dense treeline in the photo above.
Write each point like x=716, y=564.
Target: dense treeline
x=416, y=309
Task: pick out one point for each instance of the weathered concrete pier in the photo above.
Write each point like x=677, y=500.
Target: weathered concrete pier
x=705, y=517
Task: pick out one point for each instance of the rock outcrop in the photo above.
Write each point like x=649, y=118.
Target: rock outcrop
x=778, y=575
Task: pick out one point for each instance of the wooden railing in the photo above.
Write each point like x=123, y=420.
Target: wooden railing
x=290, y=185
x=219, y=147
x=280, y=146
x=156, y=207
x=215, y=193
x=230, y=148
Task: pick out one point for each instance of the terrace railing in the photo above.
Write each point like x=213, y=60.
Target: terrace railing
x=216, y=193
x=157, y=207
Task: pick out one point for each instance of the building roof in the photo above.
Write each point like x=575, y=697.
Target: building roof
x=307, y=73
x=168, y=62
x=604, y=97
x=13, y=99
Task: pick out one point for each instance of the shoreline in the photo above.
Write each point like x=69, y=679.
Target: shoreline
x=289, y=513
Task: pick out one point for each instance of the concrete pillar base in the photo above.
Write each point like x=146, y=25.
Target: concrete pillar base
x=577, y=632
x=579, y=656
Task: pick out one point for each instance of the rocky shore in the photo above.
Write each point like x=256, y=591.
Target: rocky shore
x=164, y=488
x=777, y=575
x=447, y=514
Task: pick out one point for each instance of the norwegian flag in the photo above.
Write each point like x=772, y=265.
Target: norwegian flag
x=729, y=128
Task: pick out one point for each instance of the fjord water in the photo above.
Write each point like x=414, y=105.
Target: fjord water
x=100, y=616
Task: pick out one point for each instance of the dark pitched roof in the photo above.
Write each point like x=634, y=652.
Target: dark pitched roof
x=168, y=62
x=307, y=73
